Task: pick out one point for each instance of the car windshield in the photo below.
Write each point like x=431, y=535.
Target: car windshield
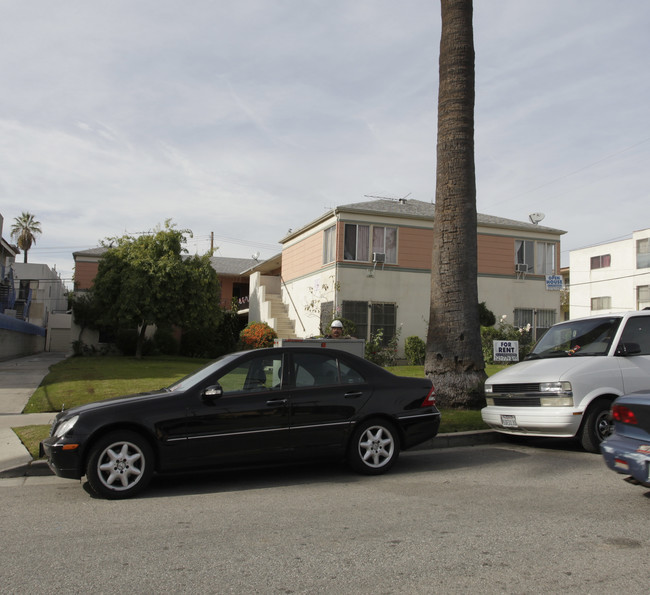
x=589, y=337
x=201, y=374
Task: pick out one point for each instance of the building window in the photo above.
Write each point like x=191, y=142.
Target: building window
x=601, y=262
x=525, y=254
x=643, y=297
x=372, y=317
x=545, y=261
x=357, y=312
x=539, y=320
x=356, y=242
x=643, y=253
x=536, y=257
x=329, y=244
x=383, y=317
x=601, y=303
x=384, y=241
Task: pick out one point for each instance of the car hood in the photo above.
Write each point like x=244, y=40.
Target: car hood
x=112, y=402
x=549, y=370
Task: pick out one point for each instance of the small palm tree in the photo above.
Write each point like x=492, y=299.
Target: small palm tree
x=24, y=231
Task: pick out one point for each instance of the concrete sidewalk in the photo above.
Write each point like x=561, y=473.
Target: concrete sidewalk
x=19, y=378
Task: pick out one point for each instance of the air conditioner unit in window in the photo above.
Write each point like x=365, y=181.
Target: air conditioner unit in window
x=378, y=257
x=521, y=268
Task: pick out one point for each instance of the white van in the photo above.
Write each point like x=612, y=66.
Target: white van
x=565, y=387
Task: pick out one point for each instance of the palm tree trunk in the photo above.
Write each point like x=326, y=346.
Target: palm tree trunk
x=454, y=360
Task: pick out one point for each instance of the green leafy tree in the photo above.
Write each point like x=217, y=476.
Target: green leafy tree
x=148, y=280
x=454, y=361
x=24, y=232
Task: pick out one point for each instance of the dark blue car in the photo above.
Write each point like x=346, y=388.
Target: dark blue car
x=627, y=450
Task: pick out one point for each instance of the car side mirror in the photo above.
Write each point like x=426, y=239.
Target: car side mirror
x=212, y=393
x=625, y=349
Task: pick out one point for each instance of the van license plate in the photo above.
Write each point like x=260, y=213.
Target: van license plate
x=509, y=421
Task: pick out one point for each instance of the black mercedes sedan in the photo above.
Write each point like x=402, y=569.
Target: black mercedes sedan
x=246, y=408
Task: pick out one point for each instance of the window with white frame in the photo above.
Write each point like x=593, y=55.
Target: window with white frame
x=601, y=303
x=545, y=261
x=329, y=244
x=536, y=257
x=642, y=297
x=384, y=241
x=539, y=320
x=601, y=262
x=643, y=253
x=361, y=241
x=525, y=254
x=356, y=242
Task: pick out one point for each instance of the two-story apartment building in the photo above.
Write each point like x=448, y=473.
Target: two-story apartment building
x=611, y=277
x=370, y=262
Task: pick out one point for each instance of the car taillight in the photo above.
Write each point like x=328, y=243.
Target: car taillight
x=430, y=401
x=624, y=414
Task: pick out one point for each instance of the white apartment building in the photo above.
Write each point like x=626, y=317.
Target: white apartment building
x=611, y=277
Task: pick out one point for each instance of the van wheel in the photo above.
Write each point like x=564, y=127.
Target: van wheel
x=597, y=425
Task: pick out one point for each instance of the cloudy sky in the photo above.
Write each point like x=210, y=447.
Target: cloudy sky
x=247, y=118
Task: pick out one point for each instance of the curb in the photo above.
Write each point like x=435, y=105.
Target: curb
x=40, y=468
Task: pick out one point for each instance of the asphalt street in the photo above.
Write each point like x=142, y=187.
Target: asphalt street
x=498, y=518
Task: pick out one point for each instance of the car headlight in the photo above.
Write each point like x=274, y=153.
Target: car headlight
x=559, y=388
x=488, y=388
x=63, y=428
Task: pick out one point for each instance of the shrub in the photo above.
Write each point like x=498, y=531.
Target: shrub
x=380, y=351
x=486, y=317
x=257, y=335
x=415, y=350
x=165, y=341
x=212, y=341
x=126, y=341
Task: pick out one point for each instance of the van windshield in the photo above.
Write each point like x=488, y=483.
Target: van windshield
x=591, y=337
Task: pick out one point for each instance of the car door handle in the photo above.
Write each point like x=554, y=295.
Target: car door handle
x=275, y=402
x=353, y=395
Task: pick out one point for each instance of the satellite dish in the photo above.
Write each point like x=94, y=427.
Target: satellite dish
x=256, y=256
x=535, y=218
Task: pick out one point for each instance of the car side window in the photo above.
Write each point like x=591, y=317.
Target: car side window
x=637, y=330
x=253, y=375
x=312, y=369
x=350, y=375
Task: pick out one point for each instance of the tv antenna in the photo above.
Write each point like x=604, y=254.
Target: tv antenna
x=394, y=199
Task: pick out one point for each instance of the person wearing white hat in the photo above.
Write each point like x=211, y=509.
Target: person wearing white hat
x=336, y=330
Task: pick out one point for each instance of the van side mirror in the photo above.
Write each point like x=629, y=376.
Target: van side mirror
x=212, y=393
x=625, y=349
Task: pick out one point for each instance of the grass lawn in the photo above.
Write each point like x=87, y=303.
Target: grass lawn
x=79, y=380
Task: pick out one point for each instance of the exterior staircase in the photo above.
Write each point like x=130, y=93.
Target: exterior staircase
x=279, y=317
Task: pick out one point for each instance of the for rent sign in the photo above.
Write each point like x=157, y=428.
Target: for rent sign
x=506, y=351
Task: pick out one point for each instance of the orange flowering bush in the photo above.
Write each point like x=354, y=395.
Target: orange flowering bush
x=257, y=335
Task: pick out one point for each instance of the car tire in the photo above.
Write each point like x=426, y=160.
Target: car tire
x=374, y=447
x=120, y=465
x=596, y=426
